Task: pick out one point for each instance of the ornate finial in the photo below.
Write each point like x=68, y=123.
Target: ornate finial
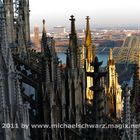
x=87, y=18
x=43, y=21
x=72, y=19
x=44, y=29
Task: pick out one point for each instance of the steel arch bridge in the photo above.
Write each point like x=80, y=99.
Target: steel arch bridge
x=129, y=51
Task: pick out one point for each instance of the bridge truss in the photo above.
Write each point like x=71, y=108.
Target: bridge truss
x=129, y=51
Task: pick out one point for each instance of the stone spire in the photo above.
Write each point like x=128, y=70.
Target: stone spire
x=73, y=36
x=114, y=91
x=24, y=13
x=44, y=45
x=88, y=42
x=44, y=28
x=90, y=54
x=4, y=48
x=9, y=17
x=72, y=19
x=88, y=60
x=73, y=46
x=22, y=27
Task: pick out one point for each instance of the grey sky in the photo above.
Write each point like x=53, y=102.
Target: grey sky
x=101, y=12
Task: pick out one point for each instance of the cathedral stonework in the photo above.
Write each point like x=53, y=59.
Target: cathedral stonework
x=43, y=99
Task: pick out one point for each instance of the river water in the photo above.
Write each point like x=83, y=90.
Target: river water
x=102, y=57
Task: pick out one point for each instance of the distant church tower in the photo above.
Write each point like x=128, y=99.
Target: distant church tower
x=37, y=39
x=113, y=89
x=89, y=57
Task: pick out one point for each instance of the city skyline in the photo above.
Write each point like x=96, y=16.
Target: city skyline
x=102, y=13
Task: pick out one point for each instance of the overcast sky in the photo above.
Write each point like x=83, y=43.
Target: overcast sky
x=101, y=12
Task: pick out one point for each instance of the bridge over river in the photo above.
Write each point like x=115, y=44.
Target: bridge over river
x=98, y=49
